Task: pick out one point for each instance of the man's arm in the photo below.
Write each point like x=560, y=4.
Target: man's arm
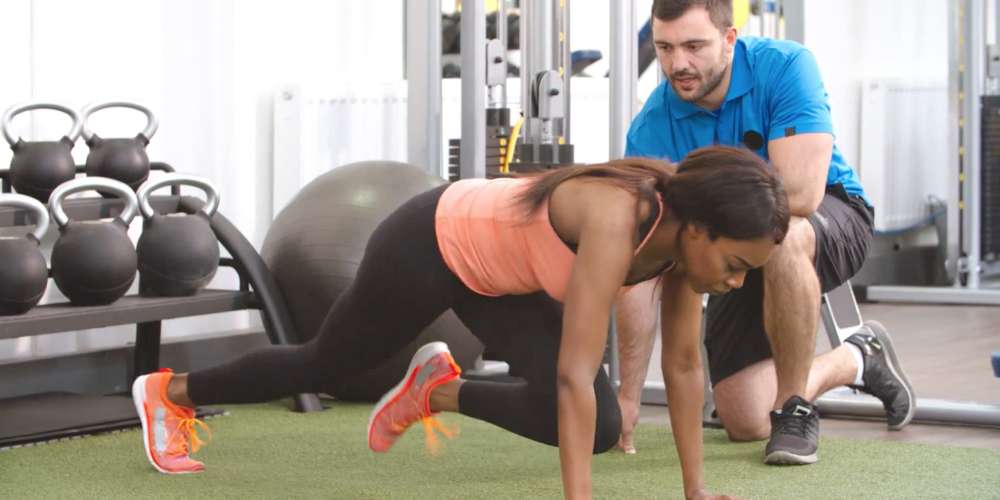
x=803, y=161
x=635, y=318
x=800, y=139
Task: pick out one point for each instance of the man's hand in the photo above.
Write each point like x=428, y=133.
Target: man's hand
x=630, y=418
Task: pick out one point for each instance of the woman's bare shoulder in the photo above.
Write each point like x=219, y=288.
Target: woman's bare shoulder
x=579, y=203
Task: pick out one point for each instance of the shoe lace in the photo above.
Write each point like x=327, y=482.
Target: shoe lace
x=187, y=432
x=793, y=424
x=430, y=424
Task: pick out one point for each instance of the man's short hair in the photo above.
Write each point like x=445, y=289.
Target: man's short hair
x=719, y=11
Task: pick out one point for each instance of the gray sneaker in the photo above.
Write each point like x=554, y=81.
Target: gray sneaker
x=794, y=434
x=883, y=377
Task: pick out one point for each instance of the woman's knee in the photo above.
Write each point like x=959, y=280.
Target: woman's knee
x=607, y=428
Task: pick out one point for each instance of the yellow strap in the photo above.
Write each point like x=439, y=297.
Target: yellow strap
x=516, y=131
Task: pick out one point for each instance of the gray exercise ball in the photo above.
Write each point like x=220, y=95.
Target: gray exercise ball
x=314, y=248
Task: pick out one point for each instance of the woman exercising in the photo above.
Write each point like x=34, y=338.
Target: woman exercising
x=532, y=266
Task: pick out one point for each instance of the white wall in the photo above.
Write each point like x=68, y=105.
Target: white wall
x=854, y=40
x=208, y=70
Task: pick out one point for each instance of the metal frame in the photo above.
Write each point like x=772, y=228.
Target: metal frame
x=423, y=78
x=540, y=53
x=793, y=15
x=967, y=59
x=502, y=37
x=472, y=154
x=624, y=65
x=566, y=67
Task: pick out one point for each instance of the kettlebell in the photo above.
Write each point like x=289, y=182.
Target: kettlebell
x=93, y=262
x=178, y=252
x=23, y=273
x=122, y=159
x=39, y=166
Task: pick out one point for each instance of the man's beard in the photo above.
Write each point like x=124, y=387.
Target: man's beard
x=708, y=86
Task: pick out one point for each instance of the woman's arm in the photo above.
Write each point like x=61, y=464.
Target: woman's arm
x=682, y=372
x=604, y=254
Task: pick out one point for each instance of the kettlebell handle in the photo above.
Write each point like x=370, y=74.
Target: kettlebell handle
x=17, y=109
x=151, y=122
x=32, y=205
x=211, y=195
x=102, y=184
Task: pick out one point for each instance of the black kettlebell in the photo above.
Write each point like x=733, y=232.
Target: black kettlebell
x=23, y=273
x=178, y=252
x=93, y=262
x=39, y=166
x=123, y=159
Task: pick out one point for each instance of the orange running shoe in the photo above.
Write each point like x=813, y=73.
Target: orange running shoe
x=168, y=430
x=409, y=401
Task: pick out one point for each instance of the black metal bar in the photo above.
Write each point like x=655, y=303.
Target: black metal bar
x=147, y=349
x=130, y=309
x=240, y=272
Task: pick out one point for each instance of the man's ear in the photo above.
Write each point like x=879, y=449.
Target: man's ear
x=730, y=37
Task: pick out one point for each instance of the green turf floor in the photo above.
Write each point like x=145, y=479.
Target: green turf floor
x=266, y=451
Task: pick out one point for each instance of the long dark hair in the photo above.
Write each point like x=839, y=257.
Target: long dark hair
x=731, y=192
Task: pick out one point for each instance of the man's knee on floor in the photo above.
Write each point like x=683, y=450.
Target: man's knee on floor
x=742, y=428
x=743, y=418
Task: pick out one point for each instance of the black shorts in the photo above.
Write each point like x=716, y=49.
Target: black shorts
x=734, y=322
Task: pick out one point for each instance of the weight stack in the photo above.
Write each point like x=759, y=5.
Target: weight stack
x=990, y=178
x=497, y=136
x=496, y=148
x=541, y=157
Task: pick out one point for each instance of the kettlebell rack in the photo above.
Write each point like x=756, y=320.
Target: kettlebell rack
x=257, y=290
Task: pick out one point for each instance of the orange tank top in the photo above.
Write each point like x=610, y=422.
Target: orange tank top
x=491, y=246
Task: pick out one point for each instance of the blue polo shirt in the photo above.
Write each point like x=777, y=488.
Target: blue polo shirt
x=775, y=91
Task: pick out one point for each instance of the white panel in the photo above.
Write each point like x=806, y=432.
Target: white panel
x=903, y=154
x=315, y=132
x=872, y=166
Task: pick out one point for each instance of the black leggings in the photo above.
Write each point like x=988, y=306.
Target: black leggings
x=403, y=285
